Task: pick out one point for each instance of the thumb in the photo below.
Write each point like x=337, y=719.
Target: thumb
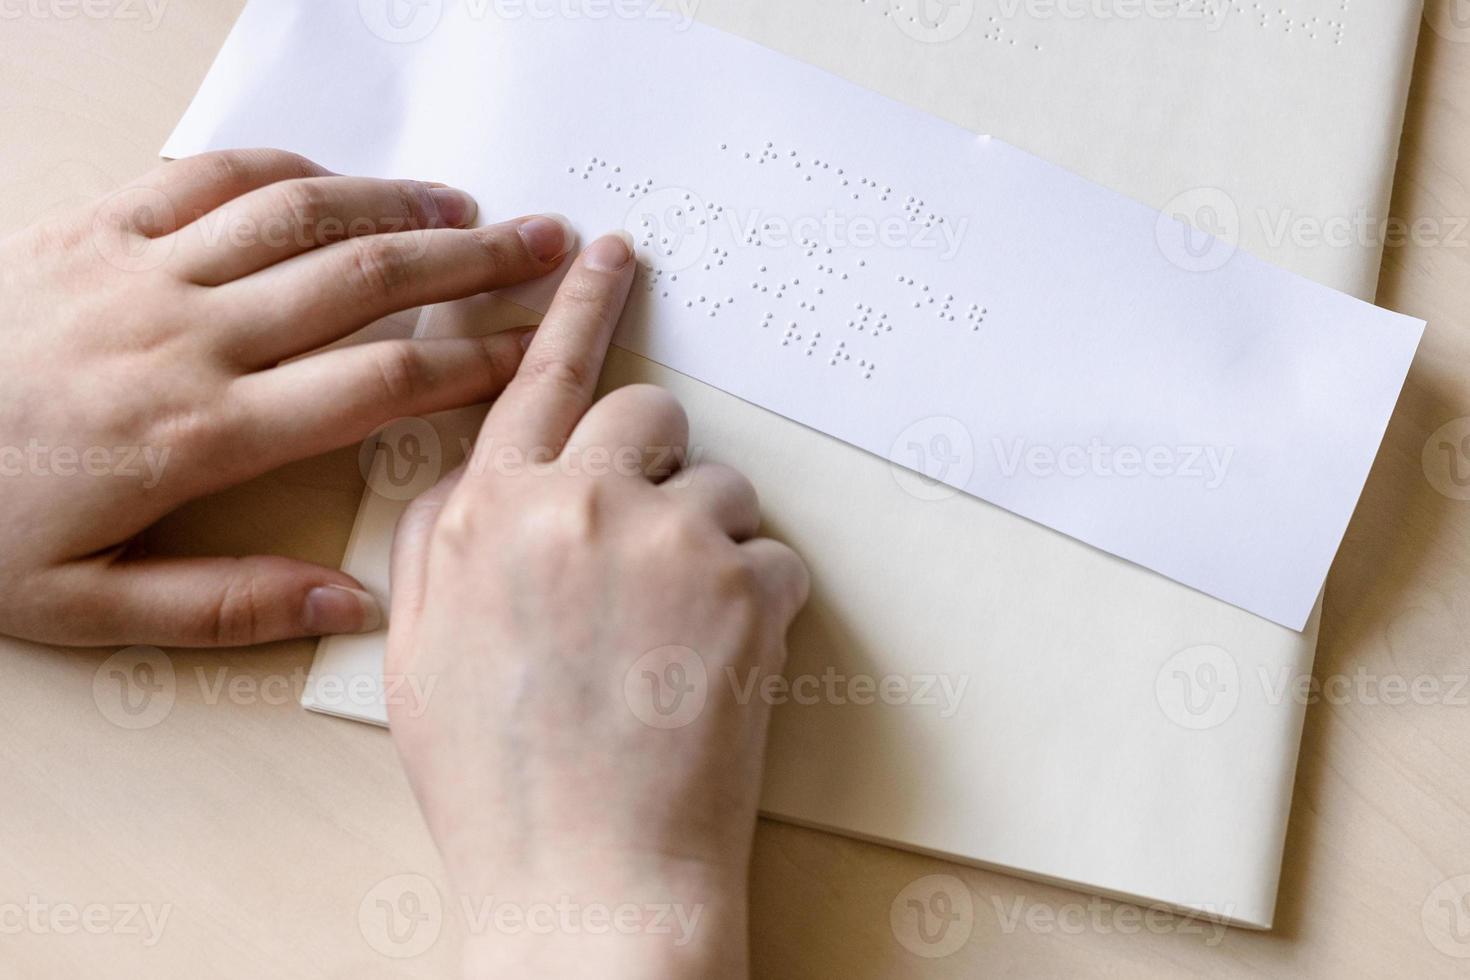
x=209, y=602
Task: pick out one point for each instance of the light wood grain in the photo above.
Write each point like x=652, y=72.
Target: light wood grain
x=261, y=828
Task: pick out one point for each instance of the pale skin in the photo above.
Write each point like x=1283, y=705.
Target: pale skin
x=531, y=597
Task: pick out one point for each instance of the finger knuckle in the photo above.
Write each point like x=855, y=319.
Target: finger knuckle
x=555, y=532
x=411, y=206
x=504, y=250
x=555, y=374
x=686, y=536
x=738, y=483
x=378, y=269
x=576, y=519
x=585, y=291
x=740, y=597
x=239, y=170
x=737, y=580
x=228, y=169
x=498, y=357
x=308, y=205
x=191, y=431
x=659, y=404
x=459, y=523
x=289, y=163
x=402, y=376
x=234, y=617
x=246, y=165
x=795, y=576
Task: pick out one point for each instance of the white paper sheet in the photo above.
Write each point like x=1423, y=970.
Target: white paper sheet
x=945, y=301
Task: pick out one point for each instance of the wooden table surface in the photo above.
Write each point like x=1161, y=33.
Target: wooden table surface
x=232, y=834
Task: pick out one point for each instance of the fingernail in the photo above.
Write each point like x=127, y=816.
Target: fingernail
x=548, y=236
x=456, y=208
x=527, y=336
x=334, y=609
x=609, y=253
